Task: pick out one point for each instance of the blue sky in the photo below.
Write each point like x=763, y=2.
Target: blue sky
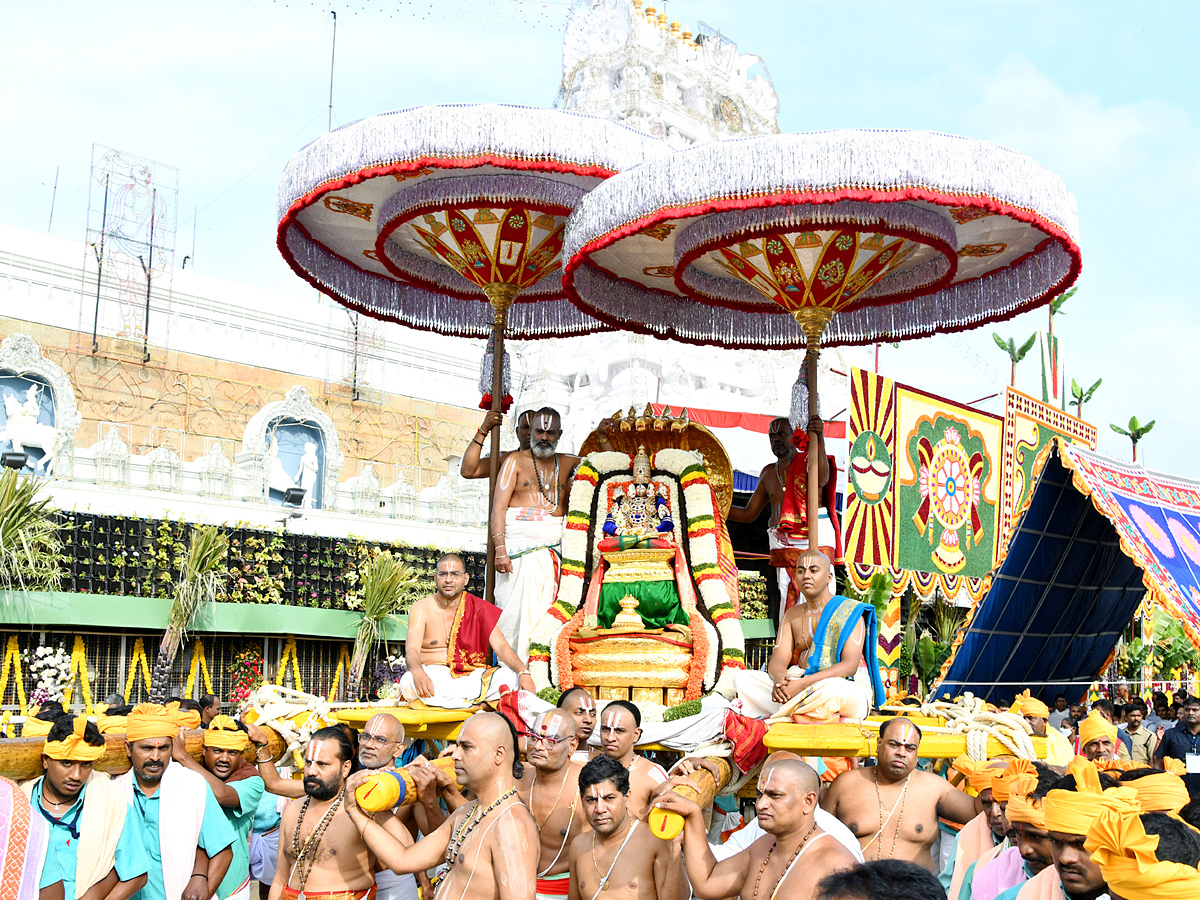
x=1101, y=93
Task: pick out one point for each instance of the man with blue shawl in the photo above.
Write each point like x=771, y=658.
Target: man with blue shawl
x=823, y=666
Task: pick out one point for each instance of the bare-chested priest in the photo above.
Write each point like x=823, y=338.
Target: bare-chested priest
x=527, y=526
x=578, y=703
x=490, y=844
x=823, y=665
x=620, y=859
x=321, y=855
x=620, y=730
x=893, y=809
x=451, y=634
x=787, y=862
x=550, y=789
x=472, y=465
x=783, y=484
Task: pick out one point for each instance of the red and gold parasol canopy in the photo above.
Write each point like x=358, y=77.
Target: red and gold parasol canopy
x=413, y=215
x=882, y=235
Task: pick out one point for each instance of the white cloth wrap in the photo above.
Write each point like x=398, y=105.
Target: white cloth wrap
x=525, y=594
x=744, y=837
x=462, y=692
x=850, y=699
x=390, y=886
x=181, y=797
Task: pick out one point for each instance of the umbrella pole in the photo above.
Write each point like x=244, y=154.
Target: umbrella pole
x=813, y=320
x=501, y=296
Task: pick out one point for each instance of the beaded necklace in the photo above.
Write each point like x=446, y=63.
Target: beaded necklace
x=883, y=822
x=468, y=825
x=786, y=869
x=549, y=492
x=304, y=856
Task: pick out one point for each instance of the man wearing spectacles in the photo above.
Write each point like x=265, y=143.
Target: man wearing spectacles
x=451, y=636
x=550, y=788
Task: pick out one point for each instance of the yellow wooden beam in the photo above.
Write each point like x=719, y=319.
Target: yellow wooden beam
x=854, y=740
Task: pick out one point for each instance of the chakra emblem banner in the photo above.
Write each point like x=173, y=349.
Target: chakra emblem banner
x=923, y=480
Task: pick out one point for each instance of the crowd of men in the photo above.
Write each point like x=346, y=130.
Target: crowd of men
x=534, y=813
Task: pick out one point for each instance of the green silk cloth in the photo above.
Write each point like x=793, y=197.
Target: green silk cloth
x=658, y=603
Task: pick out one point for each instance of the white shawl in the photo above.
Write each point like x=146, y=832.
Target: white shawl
x=181, y=797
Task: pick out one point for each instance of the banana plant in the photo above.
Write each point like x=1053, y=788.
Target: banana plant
x=1079, y=396
x=1135, y=432
x=1015, y=353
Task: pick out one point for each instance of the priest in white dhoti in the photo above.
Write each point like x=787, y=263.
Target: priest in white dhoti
x=527, y=527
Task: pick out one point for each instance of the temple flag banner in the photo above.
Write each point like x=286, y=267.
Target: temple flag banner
x=1029, y=427
x=1095, y=536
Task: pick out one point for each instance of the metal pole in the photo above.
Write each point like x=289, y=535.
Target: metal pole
x=148, y=269
x=100, y=264
x=332, y=52
x=53, y=195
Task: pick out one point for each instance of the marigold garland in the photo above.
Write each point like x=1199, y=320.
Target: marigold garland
x=138, y=656
x=199, y=664
x=12, y=658
x=78, y=667
x=289, y=653
x=343, y=664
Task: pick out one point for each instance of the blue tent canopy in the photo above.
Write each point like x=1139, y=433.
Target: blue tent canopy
x=1097, y=534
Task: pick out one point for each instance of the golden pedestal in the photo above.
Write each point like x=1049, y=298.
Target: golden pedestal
x=639, y=564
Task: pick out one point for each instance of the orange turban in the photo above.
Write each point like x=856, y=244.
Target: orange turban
x=223, y=734
x=1163, y=792
x=35, y=727
x=1126, y=856
x=1174, y=766
x=74, y=748
x=1026, y=705
x=1096, y=726
x=1023, y=809
x=149, y=720
x=184, y=718
x=1019, y=777
x=111, y=724
x=979, y=774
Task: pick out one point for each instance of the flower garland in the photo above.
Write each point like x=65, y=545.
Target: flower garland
x=247, y=673
x=78, y=666
x=138, y=656
x=50, y=669
x=343, y=665
x=12, y=657
x=199, y=664
x=549, y=651
x=289, y=653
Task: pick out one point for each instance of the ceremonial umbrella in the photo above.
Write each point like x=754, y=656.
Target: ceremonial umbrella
x=834, y=238
x=426, y=216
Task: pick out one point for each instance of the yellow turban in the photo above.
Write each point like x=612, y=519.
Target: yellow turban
x=1163, y=792
x=184, y=718
x=1072, y=812
x=111, y=724
x=149, y=720
x=1096, y=726
x=223, y=734
x=1126, y=856
x=74, y=748
x=35, y=727
x=1026, y=705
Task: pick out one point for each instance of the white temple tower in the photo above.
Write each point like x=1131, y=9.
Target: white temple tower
x=622, y=61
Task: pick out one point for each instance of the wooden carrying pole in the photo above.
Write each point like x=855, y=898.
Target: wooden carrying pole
x=21, y=758
x=501, y=296
x=667, y=825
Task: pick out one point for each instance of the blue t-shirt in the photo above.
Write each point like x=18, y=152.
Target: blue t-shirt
x=215, y=835
x=130, y=858
x=1177, y=743
x=249, y=791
